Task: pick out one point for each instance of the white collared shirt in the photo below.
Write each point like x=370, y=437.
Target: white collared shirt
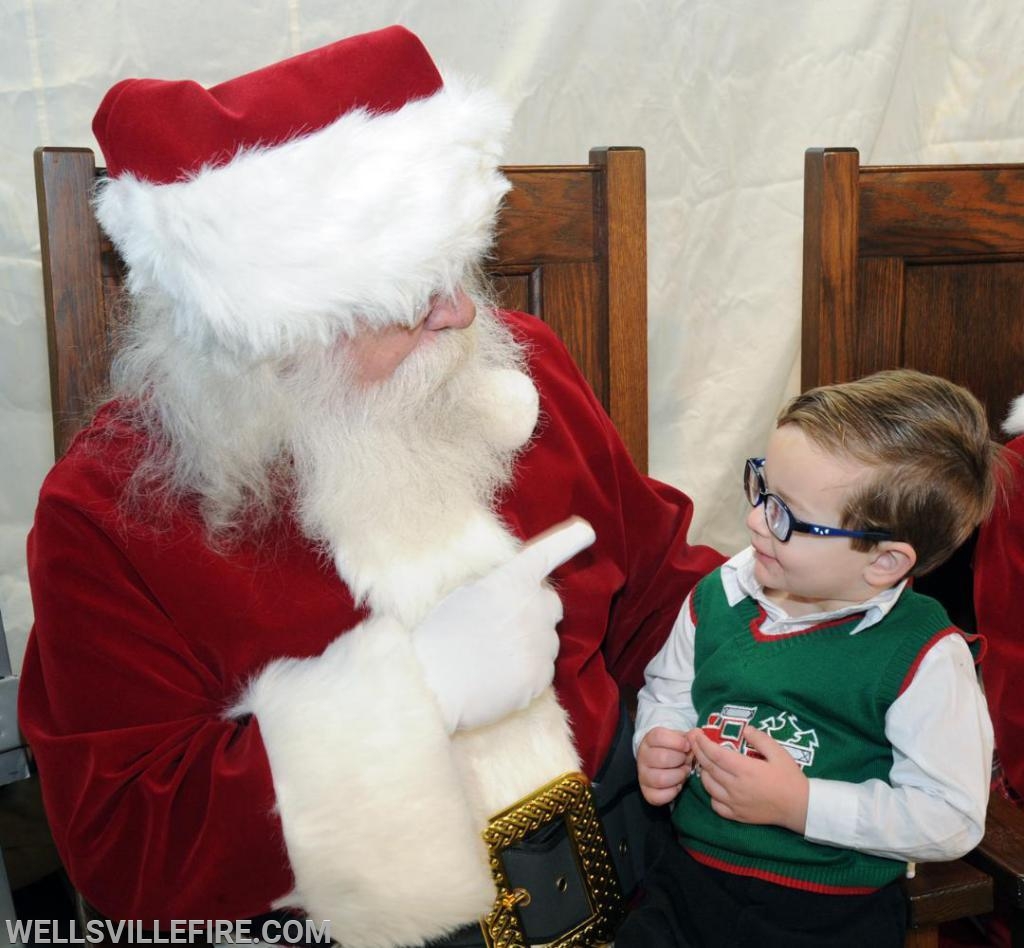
x=938, y=727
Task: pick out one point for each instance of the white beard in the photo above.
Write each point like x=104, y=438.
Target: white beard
x=398, y=481
x=393, y=472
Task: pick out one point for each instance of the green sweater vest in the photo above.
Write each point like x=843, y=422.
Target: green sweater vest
x=824, y=694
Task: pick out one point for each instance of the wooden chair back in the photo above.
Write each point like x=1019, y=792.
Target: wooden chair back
x=917, y=266
x=571, y=249
x=923, y=267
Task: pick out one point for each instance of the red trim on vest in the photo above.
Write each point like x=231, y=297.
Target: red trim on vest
x=982, y=644
x=758, y=620
x=777, y=879
x=693, y=610
x=949, y=630
x=912, y=671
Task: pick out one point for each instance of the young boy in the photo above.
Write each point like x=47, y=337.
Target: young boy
x=817, y=722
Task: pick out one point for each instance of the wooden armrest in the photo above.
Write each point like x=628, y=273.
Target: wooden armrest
x=945, y=891
x=1001, y=852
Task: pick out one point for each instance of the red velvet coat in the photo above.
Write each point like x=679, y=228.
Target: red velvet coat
x=163, y=807
x=998, y=585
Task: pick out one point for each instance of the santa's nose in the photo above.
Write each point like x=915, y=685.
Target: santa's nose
x=451, y=312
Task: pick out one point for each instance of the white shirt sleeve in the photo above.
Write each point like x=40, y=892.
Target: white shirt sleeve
x=941, y=737
x=665, y=699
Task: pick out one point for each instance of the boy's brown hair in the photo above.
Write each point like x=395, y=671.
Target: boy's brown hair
x=929, y=443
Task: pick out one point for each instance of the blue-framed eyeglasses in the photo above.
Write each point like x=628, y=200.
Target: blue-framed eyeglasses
x=779, y=517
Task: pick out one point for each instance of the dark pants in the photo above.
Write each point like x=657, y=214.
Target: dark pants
x=690, y=905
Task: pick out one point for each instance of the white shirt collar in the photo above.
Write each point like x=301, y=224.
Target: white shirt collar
x=738, y=582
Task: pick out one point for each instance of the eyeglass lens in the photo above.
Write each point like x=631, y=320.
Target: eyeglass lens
x=777, y=517
x=752, y=484
x=775, y=513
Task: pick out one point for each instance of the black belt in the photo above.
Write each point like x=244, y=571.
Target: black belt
x=545, y=865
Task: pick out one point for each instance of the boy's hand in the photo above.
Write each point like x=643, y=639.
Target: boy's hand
x=663, y=762
x=771, y=791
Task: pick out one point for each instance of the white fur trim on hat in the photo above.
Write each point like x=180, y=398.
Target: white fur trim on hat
x=361, y=220
x=368, y=792
x=1014, y=424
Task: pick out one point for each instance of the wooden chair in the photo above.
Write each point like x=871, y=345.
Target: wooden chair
x=571, y=245
x=923, y=267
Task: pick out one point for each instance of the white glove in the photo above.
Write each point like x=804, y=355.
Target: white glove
x=488, y=648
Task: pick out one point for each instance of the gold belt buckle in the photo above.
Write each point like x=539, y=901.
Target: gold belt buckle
x=568, y=798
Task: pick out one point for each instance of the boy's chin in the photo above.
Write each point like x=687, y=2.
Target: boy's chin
x=763, y=571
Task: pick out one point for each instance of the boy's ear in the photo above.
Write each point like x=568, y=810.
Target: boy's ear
x=892, y=561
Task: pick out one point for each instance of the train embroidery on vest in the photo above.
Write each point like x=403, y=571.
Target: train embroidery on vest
x=725, y=727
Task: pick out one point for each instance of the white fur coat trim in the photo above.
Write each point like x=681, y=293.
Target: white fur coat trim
x=363, y=219
x=1014, y=424
x=379, y=834
x=507, y=760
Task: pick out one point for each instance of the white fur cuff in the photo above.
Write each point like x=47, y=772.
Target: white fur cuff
x=375, y=819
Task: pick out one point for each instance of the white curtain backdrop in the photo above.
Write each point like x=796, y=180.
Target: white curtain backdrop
x=725, y=96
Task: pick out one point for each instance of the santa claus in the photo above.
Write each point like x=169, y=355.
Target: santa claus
x=295, y=647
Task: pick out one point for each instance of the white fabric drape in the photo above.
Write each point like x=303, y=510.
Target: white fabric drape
x=725, y=96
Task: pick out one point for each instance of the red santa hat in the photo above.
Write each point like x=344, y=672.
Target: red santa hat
x=346, y=184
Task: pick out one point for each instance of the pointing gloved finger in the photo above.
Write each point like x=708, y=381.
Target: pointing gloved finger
x=550, y=549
